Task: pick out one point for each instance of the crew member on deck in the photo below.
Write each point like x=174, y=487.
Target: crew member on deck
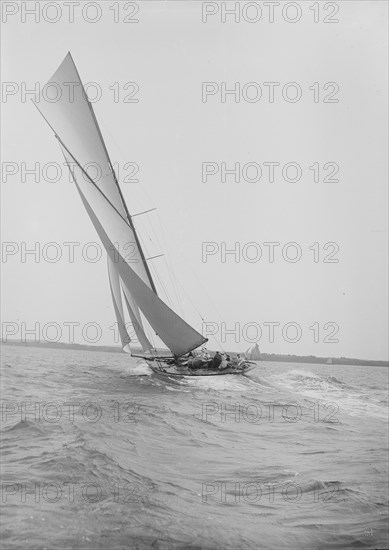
x=224, y=364
x=217, y=359
x=204, y=354
x=240, y=359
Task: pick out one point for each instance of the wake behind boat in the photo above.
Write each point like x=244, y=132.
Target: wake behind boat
x=70, y=115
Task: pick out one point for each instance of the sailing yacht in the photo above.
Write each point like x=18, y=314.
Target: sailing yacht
x=70, y=115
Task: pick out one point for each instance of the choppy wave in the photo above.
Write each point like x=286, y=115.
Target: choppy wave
x=291, y=456
x=354, y=399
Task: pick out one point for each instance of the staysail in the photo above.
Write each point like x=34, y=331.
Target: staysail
x=114, y=282
x=65, y=107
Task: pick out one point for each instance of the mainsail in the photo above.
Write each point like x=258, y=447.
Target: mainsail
x=67, y=110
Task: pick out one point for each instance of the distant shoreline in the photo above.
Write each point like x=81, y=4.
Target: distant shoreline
x=264, y=356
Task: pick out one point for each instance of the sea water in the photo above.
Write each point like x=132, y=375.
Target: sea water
x=99, y=452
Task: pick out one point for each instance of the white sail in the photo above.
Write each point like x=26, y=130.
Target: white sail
x=72, y=119
x=253, y=353
x=136, y=320
x=171, y=329
x=74, y=123
x=114, y=281
x=115, y=285
x=64, y=105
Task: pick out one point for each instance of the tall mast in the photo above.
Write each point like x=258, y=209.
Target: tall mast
x=117, y=184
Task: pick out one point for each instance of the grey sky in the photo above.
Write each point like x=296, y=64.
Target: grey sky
x=170, y=132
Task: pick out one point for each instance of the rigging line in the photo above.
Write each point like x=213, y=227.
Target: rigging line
x=144, y=212
x=213, y=336
x=157, y=276
x=220, y=345
x=169, y=266
x=154, y=271
x=153, y=257
x=173, y=278
x=169, y=269
x=183, y=256
x=187, y=295
x=165, y=291
x=167, y=259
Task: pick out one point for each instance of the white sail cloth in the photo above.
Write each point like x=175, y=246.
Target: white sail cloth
x=253, y=353
x=71, y=117
x=114, y=281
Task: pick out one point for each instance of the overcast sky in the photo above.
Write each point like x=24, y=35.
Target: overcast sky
x=172, y=130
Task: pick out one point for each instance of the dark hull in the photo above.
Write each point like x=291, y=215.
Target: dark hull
x=173, y=370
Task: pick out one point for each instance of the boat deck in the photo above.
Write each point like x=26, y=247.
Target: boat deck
x=176, y=370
